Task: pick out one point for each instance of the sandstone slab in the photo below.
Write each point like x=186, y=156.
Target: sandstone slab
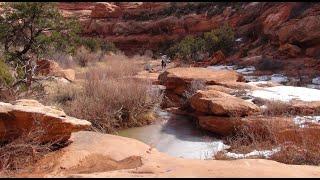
x=214, y=102
x=29, y=117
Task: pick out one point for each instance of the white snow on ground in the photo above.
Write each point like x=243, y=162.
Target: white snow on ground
x=265, y=154
x=221, y=67
x=316, y=80
x=287, y=93
x=302, y=121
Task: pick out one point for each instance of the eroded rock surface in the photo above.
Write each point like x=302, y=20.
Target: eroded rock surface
x=51, y=68
x=113, y=159
x=213, y=102
x=29, y=117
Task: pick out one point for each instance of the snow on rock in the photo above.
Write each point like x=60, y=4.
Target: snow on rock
x=279, y=78
x=316, y=80
x=287, y=93
x=246, y=70
x=302, y=121
x=313, y=86
x=263, y=78
x=265, y=154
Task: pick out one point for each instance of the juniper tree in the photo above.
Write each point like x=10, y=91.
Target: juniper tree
x=29, y=30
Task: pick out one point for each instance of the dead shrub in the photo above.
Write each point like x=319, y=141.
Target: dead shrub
x=83, y=57
x=299, y=146
x=304, y=148
x=276, y=108
x=269, y=65
x=257, y=134
x=111, y=98
x=66, y=61
x=119, y=67
x=194, y=86
x=279, y=108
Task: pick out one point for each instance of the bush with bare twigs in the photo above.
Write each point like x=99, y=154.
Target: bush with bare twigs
x=262, y=134
x=110, y=98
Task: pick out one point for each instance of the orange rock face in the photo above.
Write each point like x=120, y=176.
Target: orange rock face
x=25, y=117
x=214, y=102
x=51, y=68
x=139, y=26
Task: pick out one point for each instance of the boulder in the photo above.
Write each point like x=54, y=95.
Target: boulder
x=29, y=117
x=178, y=79
x=220, y=125
x=51, y=68
x=214, y=102
x=68, y=74
x=316, y=80
x=104, y=10
x=303, y=31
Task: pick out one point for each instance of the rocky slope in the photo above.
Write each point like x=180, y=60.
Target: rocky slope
x=290, y=28
x=287, y=33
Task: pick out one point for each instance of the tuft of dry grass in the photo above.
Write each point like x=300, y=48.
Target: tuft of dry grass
x=257, y=134
x=64, y=60
x=83, y=57
x=299, y=146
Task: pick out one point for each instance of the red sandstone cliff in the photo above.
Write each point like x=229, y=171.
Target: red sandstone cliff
x=281, y=30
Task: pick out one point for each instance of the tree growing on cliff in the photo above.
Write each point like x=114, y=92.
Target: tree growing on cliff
x=195, y=48
x=29, y=30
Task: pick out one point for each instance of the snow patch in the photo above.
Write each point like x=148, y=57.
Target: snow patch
x=265, y=154
x=287, y=93
x=302, y=121
x=279, y=78
x=316, y=80
x=221, y=67
x=313, y=86
x=246, y=70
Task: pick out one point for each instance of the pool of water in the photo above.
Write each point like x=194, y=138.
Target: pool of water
x=178, y=136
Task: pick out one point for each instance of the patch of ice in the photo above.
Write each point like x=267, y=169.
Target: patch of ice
x=287, y=93
x=265, y=154
x=279, y=78
x=316, y=80
x=302, y=121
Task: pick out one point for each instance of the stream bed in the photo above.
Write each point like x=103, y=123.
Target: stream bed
x=177, y=136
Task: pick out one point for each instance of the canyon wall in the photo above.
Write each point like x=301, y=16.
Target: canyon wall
x=289, y=29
